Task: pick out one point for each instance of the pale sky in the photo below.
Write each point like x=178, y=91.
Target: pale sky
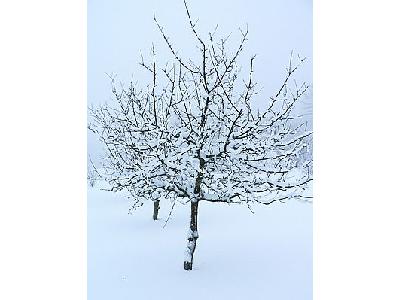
x=120, y=30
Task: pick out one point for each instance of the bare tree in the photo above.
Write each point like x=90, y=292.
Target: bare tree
x=192, y=135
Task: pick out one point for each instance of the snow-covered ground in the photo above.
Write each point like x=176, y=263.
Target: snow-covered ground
x=240, y=255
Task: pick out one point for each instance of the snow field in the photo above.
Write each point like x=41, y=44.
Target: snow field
x=239, y=255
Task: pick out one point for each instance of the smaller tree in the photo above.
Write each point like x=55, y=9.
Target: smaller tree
x=122, y=129
x=194, y=135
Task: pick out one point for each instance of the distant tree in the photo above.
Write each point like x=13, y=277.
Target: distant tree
x=197, y=138
x=92, y=174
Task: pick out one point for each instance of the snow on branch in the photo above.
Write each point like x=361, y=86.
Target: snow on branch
x=192, y=135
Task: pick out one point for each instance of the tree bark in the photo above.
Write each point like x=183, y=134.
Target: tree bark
x=156, y=208
x=192, y=236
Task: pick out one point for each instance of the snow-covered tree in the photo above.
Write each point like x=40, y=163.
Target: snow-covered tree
x=193, y=135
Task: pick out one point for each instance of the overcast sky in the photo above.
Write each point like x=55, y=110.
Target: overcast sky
x=120, y=30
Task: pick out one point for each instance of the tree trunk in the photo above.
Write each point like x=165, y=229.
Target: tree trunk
x=192, y=236
x=156, y=208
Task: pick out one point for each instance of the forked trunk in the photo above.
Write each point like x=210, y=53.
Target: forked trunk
x=192, y=236
x=156, y=208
